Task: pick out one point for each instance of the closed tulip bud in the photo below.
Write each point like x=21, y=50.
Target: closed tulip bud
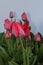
x=24, y=16
x=8, y=34
x=11, y=14
x=7, y=24
x=37, y=37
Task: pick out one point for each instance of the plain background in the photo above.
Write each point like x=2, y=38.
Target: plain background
x=33, y=8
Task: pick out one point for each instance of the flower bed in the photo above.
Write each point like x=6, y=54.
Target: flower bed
x=18, y=45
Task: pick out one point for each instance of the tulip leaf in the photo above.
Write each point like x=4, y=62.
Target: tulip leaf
x=3, y=53
x=12, y=63
x=1, y=61
x=35, y=58
x=24, y=52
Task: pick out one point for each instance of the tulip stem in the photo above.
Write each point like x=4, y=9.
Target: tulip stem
x=36, y=47
x=23, y=51
x=27, y=51
x=26, y=43
x=17, y=41
x=11, y=19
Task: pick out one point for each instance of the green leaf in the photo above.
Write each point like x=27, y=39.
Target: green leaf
x=23, y=51
x=40, y=53
x=35, y=58
x=27, y=56
x=1, y=61
x=3, y=53
x=12, y=63
x=10, y=48
x=24, y=56
x=41, y=48
x=36, y=47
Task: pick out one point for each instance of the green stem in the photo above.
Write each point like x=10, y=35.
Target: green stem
x=26, y=43
x=10, y=47
x=24, y=52
x=27, y=51
x=27, y=56
x=17, y=41
x=36, y=47
x=35, y=58
x=11, y=19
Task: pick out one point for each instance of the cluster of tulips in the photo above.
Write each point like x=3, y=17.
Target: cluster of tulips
x=18, y=46
x=17, y=29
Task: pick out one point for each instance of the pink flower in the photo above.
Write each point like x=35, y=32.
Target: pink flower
x=8, y=34
x=26, y=30
x=37, y=37
x=7, y=24
x=24, y=16
x=14, y=29
x=11, y=14
x=21, y=31
x=26, y=22
x=17, y=29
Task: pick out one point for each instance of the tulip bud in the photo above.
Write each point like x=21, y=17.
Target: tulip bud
x=8, y=34
x=24, y=16
x=37, y=37
x=7, y=24
x=11, y=15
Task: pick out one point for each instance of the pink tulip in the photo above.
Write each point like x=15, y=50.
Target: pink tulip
x=8, y=34
x=26, y=30
x=37, y=37
x=11, y=14
x=7, y=24
x=24, y=16
x=26, y=22
x=14, y=29
x=17, y=29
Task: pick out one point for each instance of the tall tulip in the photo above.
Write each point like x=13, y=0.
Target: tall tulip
x=11, y=15
x=24, y=16
x=26, y=22
x=26, y=30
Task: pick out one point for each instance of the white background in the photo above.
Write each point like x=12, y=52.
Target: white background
x=34, y=9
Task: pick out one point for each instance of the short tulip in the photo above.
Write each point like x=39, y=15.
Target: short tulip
x=37, y=37
x=8, y=34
